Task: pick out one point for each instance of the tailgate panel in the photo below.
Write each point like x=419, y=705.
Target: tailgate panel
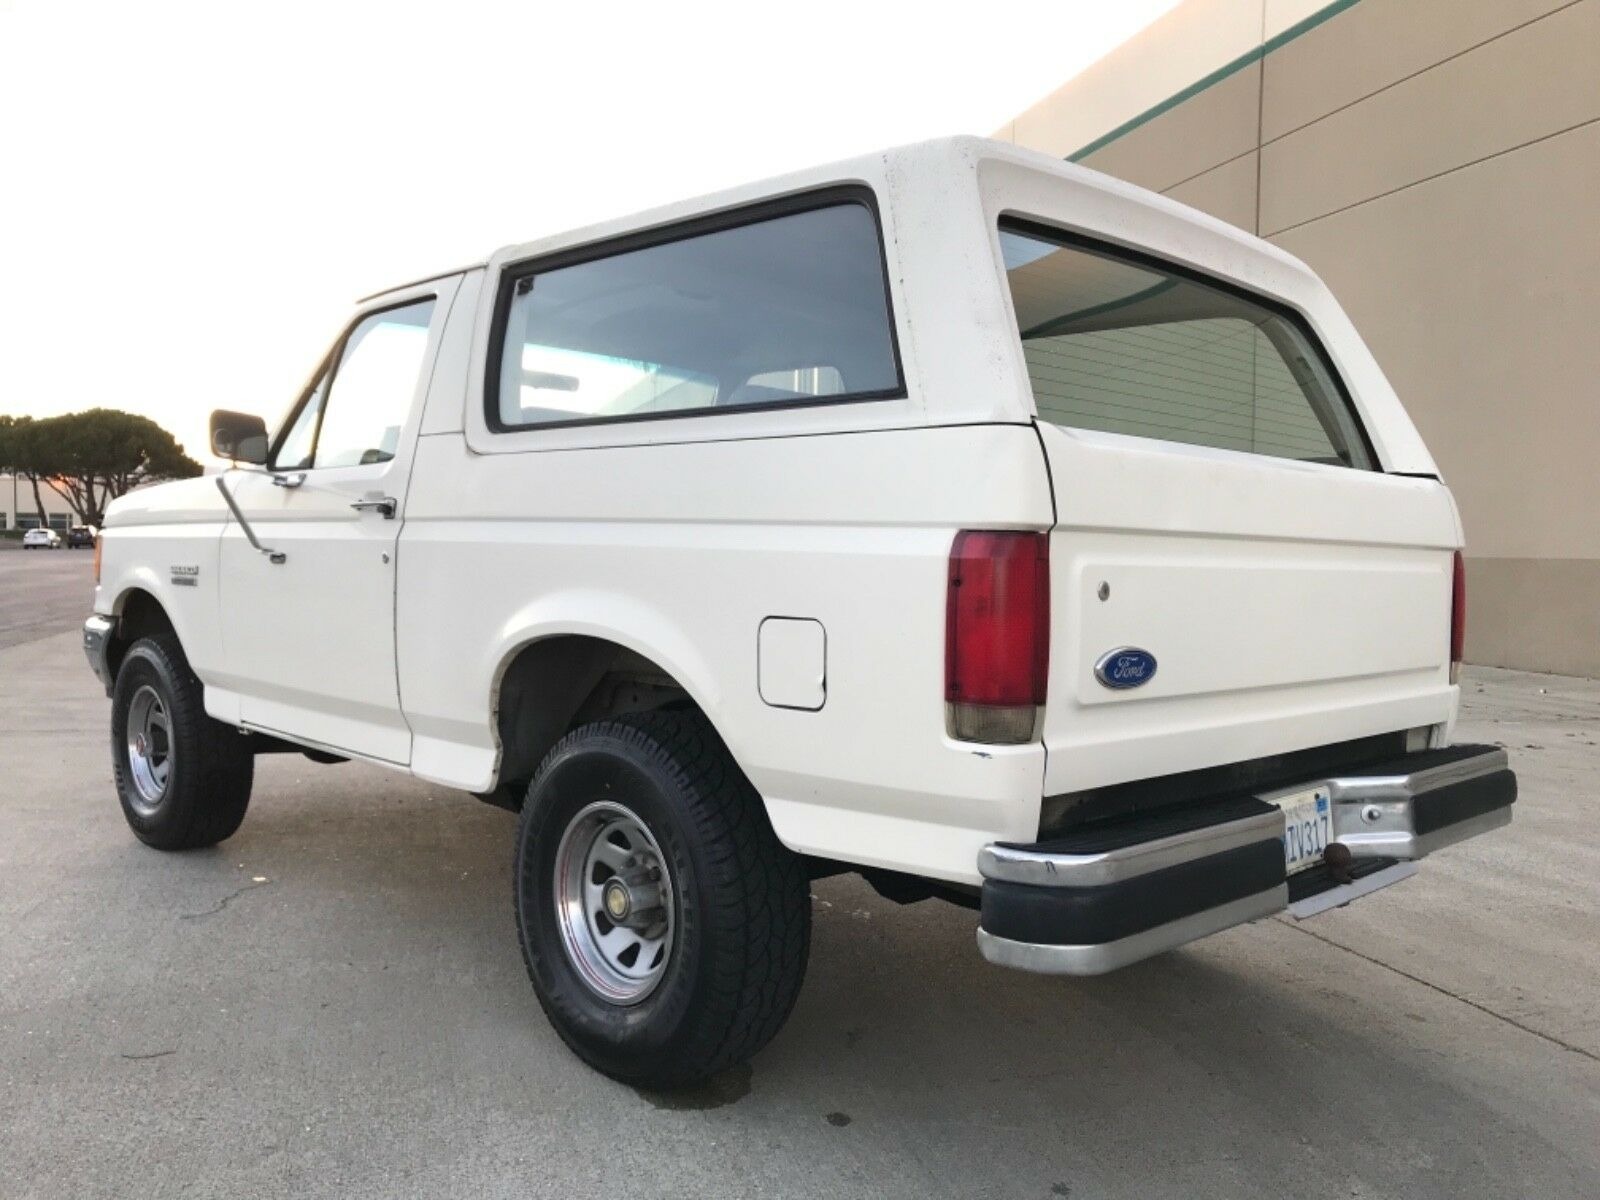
x=1224, y=616
x=1287, y=605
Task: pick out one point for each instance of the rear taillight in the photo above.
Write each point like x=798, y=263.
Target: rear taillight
x=1458, y=618
x=97, y=560
x=997, y=635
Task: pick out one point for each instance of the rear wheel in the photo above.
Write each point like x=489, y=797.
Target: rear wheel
x=183, y=779
x=664, y=926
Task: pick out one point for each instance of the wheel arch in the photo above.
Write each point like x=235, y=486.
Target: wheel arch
x=561, y=673
x=139, y=613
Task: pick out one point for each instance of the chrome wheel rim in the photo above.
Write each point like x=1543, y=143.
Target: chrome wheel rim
x=613, y=897
x=149, y=749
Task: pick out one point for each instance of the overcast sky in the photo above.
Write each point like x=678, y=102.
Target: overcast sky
x=193, y=194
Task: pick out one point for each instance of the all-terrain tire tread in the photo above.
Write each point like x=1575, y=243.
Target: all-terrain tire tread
x=761, y=889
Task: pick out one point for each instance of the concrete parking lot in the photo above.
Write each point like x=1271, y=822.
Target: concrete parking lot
x=332, y=1004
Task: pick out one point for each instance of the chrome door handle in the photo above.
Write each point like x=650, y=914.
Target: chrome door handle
x=384, y=504
x=289, y=481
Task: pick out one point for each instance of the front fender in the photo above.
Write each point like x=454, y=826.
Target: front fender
x=149, y=559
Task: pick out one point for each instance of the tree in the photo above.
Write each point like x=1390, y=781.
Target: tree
x=19, y=454
x=90, y=458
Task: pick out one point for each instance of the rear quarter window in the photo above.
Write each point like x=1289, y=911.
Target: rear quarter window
x=1127, y=346
x=772, y=309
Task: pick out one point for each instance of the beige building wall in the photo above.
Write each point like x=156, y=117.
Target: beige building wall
x=58, y=513
x=1438, y=163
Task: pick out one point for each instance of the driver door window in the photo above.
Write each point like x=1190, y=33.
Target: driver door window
x=294, y=452
x=354, y=414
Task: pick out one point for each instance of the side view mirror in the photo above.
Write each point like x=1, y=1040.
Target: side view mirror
x=240, y=437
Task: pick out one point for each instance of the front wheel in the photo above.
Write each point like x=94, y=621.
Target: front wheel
x=664, y=926
x=183, y=779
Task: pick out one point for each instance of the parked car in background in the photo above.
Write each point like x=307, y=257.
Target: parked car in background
x=41, y=539
x=836, y=523
x=81, y=537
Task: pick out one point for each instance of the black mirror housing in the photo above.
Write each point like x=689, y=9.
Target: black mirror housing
x=241, y=437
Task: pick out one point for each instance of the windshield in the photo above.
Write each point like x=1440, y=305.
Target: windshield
x=1130, y=348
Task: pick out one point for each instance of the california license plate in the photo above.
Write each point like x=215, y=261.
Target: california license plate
x=1307, y=828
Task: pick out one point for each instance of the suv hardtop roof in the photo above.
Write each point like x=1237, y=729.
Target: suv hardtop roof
x=957, y=154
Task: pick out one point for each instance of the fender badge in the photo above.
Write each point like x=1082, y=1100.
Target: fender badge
x=185, y=576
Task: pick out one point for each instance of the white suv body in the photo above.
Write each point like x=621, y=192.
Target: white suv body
x=726, y=472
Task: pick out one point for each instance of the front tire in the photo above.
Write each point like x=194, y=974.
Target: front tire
x=183, y=779
x=648, y=820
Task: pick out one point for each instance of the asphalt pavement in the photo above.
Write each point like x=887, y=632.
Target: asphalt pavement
x=41, y=591
x=332, y=1004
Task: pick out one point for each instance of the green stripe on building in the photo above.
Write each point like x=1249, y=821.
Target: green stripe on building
x=1305, y=25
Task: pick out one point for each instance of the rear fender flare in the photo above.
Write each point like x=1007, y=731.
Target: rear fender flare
x=621, y=620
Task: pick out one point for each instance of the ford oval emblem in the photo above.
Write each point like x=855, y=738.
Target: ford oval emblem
x=1127, y=667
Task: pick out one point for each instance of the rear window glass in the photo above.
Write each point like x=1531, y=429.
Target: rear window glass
x=789, y=309
x=1125, y=347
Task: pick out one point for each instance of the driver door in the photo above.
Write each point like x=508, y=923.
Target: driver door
x=309, y=627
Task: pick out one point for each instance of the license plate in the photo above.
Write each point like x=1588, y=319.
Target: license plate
x=1307, y=828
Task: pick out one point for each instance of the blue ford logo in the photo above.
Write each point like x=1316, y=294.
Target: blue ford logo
x=1128, y=667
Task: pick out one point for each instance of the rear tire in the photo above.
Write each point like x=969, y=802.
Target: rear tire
x=712, y=887
x=183, y=779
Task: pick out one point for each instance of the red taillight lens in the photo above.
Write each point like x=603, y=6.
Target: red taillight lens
x=1458, y=617
x=97, y=559
x=997, y=634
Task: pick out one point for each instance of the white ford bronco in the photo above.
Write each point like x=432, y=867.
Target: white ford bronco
x=955, y=515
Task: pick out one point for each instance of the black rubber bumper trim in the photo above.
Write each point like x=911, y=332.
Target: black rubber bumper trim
x=1458, y=802
x=1090, y=916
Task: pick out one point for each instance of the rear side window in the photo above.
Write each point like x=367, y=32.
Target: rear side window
x=1129, y=347
x=774, y=311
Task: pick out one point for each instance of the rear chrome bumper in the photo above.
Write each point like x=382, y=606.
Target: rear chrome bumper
x=1408, y=815
x=97, y=631
x=1109, y=895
